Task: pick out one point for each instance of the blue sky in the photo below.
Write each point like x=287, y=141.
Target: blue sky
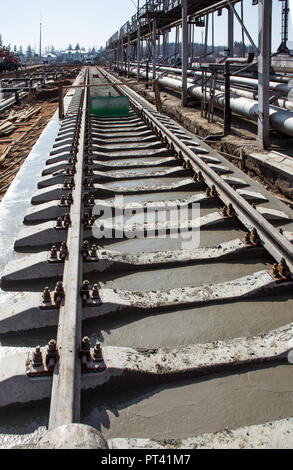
x=91, y=22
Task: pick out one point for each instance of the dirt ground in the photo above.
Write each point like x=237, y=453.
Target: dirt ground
x=30, y=130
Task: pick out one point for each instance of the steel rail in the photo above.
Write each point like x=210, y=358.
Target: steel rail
x=65, y=398
x=275, y=243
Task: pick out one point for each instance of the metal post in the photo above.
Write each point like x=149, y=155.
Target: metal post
x=165, y=43
x=61, y=102
x=264, y=62
x=154, y=51
x=227, y=111
x=231, y=32
x=184, y=53
x=138, y=51
x=128, y=55
x=206, y=35
x=147, y=73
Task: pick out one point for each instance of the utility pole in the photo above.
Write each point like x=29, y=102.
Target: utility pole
x=40, y=50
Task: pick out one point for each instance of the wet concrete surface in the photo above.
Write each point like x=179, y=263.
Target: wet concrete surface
x=190, y=408
x=193, y=325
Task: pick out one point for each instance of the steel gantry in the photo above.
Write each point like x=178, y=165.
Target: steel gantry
x=157, y=18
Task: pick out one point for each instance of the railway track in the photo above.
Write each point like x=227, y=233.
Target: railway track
x=162, y=272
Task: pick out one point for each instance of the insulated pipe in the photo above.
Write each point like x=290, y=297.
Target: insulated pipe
x=280, y=119
x=281, y=102
x=281, y=88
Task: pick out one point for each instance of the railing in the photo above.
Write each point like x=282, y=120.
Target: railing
x=132, y=25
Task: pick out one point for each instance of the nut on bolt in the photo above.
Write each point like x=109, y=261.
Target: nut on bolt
x=85, y=292
x=214, y=193
x=97, y=353
x=96, y=292
x=230, y=210
x=284, y=270
x=67, y=221
x=47, y=296
x=94, y=251
x=200, y=177
x=53, y=254
x=85, y=249
x=59, y=223
x=52, y=354
x=86, y=347
x=38, y=357
x=59, y=294
x=254, y=237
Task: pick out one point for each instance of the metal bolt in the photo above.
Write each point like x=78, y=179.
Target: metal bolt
x=208, y=192
x=67, y=221
x=58, y=294
x=284, y=270
x=96, y=292
x=254, y=238
x=71, y=183
x=63, y=251
x=86, y=347
x=69, y=198
x=214, y=191
x=53, y=253
x=52, y=353
x=37, y=357
x=85, y=248
x=65, y=185
x=94, y=251
x=97, y=353
x=86, y=344
x=275, y=270
x=47, y=295
x=86, y=219
x=59, y=223
x=85, y=292
x=62, y=201
x=230, y=210
x=200, y=178
x=247, y=238
x=224, y=211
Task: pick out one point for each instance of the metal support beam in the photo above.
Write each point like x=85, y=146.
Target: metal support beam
x=231, y=32
x=264, y=63
x=206, y=39
x=184, y=53
x=244, y=29
x=154, y=48
x=138, y=45
x=128, y=55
